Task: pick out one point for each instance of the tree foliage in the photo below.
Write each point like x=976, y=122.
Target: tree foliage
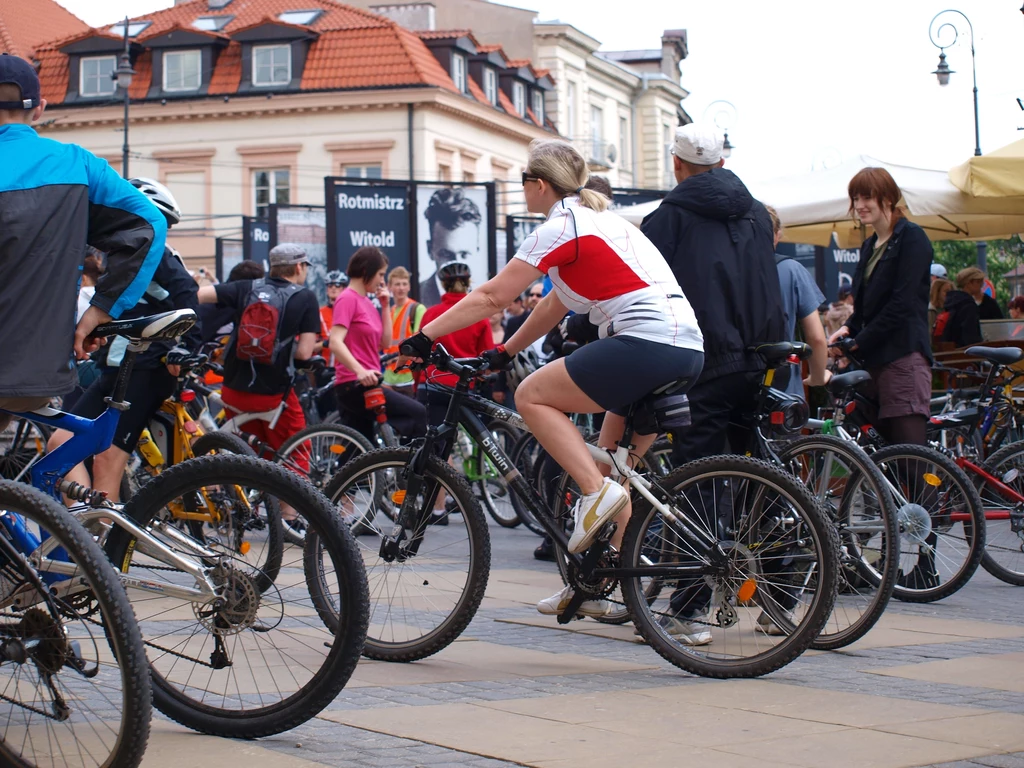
x=1003, y=256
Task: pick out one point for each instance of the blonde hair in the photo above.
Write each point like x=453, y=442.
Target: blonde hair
x=967, y=274
x=561, y=165
x=398, y=273
x=776, y=221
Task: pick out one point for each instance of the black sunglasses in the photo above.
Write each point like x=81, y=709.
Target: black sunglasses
x=529, y=177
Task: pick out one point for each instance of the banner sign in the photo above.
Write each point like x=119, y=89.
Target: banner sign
x=256, y=240
x=361, y=215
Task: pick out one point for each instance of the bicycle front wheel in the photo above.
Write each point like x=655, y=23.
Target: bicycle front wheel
x=1004, y=546
x=73, y=675
x=852, y=490
x=491, y=487
x=759, y=596
x=422, y=599
x=246, y=661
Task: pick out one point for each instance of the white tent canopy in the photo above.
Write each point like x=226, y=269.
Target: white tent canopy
x=814, y=205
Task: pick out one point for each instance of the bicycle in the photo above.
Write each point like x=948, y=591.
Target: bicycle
x=197, y=607
x=778, y=552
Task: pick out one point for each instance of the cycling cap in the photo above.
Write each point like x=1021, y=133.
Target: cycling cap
x=454, y=270
x=160, y=196
x=336, y=277
x=14, y=70
x=523, y=364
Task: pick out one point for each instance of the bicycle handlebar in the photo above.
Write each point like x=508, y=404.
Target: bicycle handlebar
x=464, y=367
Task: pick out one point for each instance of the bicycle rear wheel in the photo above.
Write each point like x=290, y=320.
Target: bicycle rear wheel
x=421, y=601
x=941, y=519
x=761, y=595
x=73, y=677
x=1004, y=546
x=492, y=488
x=851, y=489
x=246, y=662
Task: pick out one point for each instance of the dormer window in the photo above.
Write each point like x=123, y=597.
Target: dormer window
x=459, y=71
x=304, y=18
x=95, y=76
x=135, y=28
x=271, y=65
x=212, y=23
x=182, y=70
x=538, y=106
x=519, y=98
x=491, y=85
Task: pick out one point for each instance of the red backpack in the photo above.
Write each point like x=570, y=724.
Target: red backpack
x=940, y=325
x=257, y=336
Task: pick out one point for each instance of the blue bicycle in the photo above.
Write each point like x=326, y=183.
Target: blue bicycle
x=235, y=647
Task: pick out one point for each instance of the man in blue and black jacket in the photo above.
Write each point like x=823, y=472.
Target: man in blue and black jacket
x=54, y=199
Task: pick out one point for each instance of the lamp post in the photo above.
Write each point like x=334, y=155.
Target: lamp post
x=724, y=118
x=942, y=73
x=123, y=77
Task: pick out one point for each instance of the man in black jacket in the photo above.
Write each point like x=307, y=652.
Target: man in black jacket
x=718, y=241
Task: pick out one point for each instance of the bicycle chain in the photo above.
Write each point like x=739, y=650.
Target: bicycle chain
x=151, y=644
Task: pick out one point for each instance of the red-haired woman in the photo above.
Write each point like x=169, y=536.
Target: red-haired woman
x=890, y=310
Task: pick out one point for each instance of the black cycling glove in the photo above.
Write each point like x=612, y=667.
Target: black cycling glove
x=416, y=346
x=497, y=359
x=177, y=356
x=578, y=328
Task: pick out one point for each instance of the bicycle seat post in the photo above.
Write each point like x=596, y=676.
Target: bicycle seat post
x=124, y=372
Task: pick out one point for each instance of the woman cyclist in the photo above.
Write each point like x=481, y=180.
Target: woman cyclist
x=647, y=332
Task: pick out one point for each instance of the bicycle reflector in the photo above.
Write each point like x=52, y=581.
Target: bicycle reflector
x=787, y=414
x=932, y=479
x=187, y=396
x=374, y=398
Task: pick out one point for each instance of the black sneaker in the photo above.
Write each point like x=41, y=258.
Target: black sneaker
x=438, y=518
x=918, y=578
x=545, y=551
x=294, y=530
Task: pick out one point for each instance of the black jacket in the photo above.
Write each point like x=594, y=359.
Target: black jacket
x=890, y=311
x=962, y=326
x=718, y=241
x=172, y=287
x=989, y=309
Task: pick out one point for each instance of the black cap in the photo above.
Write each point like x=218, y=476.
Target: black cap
x=17, y=71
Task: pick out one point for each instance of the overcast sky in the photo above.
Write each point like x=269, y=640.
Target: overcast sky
x=812, y=80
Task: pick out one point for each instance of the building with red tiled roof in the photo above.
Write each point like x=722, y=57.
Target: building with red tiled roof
x=242, y=104
x=26, y=24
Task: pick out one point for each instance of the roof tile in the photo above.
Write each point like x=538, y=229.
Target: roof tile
x=27, y=24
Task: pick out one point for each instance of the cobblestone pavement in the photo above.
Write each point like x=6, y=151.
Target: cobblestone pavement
x=500, y=693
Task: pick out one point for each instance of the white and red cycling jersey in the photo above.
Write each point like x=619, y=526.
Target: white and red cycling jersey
x=601, y=264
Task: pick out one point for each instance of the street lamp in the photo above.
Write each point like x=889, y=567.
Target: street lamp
x=724, y=115
x=123, y=77
x=943, y=71
x=942, y=74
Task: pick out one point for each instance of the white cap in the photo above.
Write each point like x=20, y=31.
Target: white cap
x=697, y=144
x=938, y=270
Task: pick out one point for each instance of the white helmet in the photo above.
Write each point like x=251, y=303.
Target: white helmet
x=160, y=196
x=523, y=364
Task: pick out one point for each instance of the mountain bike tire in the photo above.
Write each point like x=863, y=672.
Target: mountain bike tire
x=786, y=526
x=245, y=705
x=1003, y=556
x=108, y=607
x=492, y=488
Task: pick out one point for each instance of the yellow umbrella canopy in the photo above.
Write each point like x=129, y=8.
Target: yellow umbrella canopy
x=997, y=174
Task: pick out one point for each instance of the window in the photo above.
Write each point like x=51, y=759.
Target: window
x=570, y=110
x=468, y=176
x=211, y=23
x=182, y=70
x=491, y=85
x=362, y=171
x=623, y=142
x=271, y=65
x=216, y=5
x=271, y=186
x=459, y=71
x=95, y=76
x=444, y=172
x=300, y=17
x=134, y=28
x=596, y=130
x=538, y=106
x=519, y=98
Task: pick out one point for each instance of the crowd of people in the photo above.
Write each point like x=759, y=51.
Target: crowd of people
x=684, y=298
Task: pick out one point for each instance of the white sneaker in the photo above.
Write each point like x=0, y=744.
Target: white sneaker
x=766, y=626
x=556, y=604
x=593, y=510
x=687, y=632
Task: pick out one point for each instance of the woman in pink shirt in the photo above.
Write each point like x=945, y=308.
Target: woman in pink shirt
x=360, y=333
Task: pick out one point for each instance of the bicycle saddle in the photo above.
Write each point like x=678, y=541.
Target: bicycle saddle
x=776, y=353
x=162, y=327
x=1000, y=355
x=844, y=382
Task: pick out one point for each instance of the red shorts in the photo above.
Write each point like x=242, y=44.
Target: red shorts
x=292, y=418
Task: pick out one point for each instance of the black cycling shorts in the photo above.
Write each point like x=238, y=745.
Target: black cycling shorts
x=147, y=390
x=618, y=371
